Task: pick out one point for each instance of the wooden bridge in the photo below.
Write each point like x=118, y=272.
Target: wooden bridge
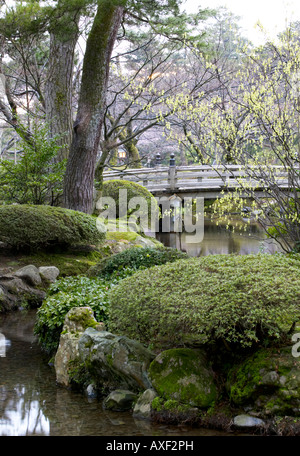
x=206, y=181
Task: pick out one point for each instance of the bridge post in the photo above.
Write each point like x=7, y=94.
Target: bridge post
x=157, y=160
x=172, y=173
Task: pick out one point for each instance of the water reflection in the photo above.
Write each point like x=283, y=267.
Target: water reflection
x=219, y=240
x=22, y=416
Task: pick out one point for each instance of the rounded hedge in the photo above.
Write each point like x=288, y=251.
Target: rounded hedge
x=239, y=300
x=34, y=227
x=136, y=258
x=112, y=189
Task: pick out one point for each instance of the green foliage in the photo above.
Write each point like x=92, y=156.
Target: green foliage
x=62, y=296
x=112, y=189
x=136, y=258
x=35, y=178
x=243, y=301
x=69, y=292
x=37, y=227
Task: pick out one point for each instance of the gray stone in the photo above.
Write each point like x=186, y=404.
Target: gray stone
x=142, y=408
x=15, y=291
x=49, y=273
x=76, y=322
x=119, y=400
x=2, y=294
x=91, y=391
x=114, y=360
x=30, y=274
x=270, y=379
x=247, y=421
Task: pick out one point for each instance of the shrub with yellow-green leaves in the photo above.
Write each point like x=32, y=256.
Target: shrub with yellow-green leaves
x=243, y=301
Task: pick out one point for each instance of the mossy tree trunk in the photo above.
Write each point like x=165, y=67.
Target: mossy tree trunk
x=58, y=88
x=79, y=178
x=131, y=149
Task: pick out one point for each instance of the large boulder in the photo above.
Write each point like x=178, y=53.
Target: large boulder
x=16, y=291
x=185, y=376
x=30, y=274
x=76, y=322
x=267, y=382
x=49, y=273
x=25, y=285
x=115, y=361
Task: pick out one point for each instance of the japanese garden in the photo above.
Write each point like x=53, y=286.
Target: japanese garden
x=149, y=222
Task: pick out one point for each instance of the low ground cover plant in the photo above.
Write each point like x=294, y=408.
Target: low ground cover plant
x=69, y=292
x=62, y=296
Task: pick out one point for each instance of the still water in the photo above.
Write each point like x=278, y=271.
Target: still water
x=32, y=404
x=217, y=239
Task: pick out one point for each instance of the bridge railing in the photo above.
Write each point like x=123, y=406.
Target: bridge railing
x=172, y=178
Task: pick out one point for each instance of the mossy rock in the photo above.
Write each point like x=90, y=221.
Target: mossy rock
x=115, y=361
x=184, y=375
x=38, y=227
x=268, y=381
x=171, y=411
x=70, y=262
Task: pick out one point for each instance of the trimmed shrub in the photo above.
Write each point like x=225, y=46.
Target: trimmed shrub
x=243, y=301
x=35, y=227
x=111, y=188
x=136, y=258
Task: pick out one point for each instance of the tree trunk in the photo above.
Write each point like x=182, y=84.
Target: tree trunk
x=58, y=88
x=134, y=159
x=79, y=178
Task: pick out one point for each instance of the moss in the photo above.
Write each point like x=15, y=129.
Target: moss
x=121, y=235
x=246, y=378
x=85, y=318
x=183, y=375
x=78, y=373
x=69, y=263
x=173, y=412
x=269, y=380
x=109, y=359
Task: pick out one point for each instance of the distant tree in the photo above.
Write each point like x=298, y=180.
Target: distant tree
x=61, y=19
x=255, y=123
